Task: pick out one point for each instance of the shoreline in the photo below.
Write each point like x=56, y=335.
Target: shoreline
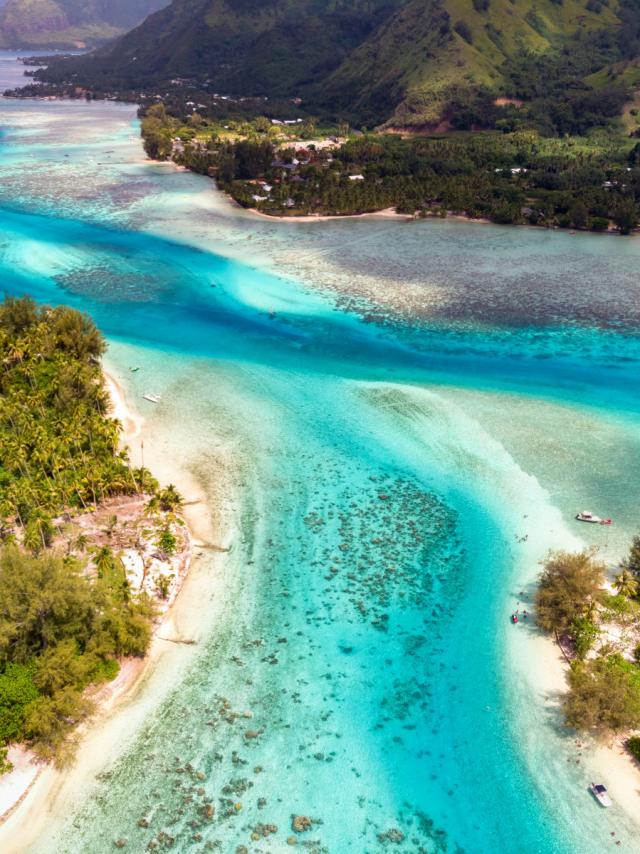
x=384, y=213
x=29, y=792
x=391, y=213
x=605, y=757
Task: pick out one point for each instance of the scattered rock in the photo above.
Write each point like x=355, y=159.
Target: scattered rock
x=300, y=823
x=392, y=835
x=264, y=830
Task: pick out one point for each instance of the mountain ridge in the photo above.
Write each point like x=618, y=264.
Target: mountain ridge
x=69, y=23
x=397, y=63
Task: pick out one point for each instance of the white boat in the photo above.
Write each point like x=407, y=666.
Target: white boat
x=601, y=795
x=588, y=516
x=154, y=398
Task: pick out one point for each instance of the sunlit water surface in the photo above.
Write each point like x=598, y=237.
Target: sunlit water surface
x=413, y=413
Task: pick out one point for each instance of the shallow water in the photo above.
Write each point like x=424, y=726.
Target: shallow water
x=414, y=412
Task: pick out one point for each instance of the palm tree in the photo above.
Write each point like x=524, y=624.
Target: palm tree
x=81, y=542
x=104, y=561
x=169, y=499
x=626, y=584
x=38, y=532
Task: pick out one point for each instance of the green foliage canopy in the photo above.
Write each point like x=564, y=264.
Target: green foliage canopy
x=60, y=627
x=569, y=581
x=604, y=694
x=58, y=447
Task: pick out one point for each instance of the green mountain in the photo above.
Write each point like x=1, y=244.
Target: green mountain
x=69, y=23
x=406, y=63
x=430, y=53
x=256, y=47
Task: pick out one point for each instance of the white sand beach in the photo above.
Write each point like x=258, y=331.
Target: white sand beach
x=386, y=213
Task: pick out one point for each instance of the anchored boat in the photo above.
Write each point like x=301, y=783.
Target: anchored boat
x=588, y=516
x=601, y=795
x=154, y=398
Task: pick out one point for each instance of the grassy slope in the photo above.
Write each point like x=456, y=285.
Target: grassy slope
x=629, y=74
x=423, y=64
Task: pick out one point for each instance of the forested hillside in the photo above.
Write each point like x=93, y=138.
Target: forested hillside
x=423, y=64
x=264, y=47
x=69, y=23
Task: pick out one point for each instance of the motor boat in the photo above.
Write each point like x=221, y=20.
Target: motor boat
x=588, y=516
x=154, y=398
x=514, y=618
x=601, y=795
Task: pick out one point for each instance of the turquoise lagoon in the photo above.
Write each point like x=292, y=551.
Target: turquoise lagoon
x=399, y=421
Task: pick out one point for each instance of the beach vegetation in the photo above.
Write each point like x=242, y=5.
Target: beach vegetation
x=604, y=694
x=632, y=561
x=5, y=763
x=163, y=585
x=616, y=607
x=67, y=610
x=604, y=679
x=633, y=746
x=167, y=541
x=167, y=500
x=59, y=449
x=524, y=118
x=626, y=584
x=584, y=633
x=568, y=583
x=61, y=629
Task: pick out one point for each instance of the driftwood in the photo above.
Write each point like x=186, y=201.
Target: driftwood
x=212, y=547
x=185, y=641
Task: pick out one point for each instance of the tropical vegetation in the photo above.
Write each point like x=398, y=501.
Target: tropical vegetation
x=61, y=630
x=68, y=612
x=58, y=447
x=601, y=625
x=518, y=112
x=518, y=177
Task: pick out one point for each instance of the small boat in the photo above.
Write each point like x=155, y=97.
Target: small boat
x=601, y=795
x=588, y=516
x=154, y=398
x=135, y=370
x=514, y=618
